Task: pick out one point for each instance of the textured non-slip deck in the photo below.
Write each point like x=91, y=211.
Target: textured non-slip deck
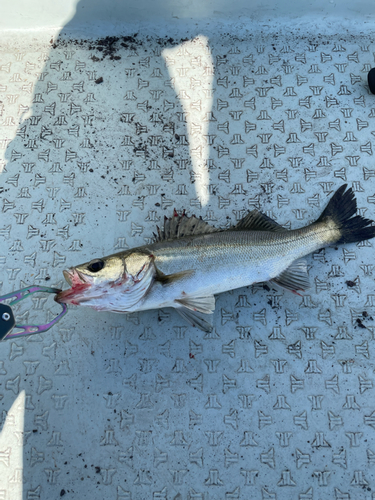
x=99, y=140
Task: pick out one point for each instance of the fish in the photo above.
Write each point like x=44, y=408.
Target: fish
x=189, y=261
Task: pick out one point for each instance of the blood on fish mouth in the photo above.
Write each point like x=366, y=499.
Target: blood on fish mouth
x=70, y=296
x=78, y=286
x=74, y=277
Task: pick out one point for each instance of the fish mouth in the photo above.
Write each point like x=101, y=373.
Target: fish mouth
x=78, y=291
x=74, y=277
x=67, y=276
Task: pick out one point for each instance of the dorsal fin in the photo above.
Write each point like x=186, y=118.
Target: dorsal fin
x=256, y=221
x=179, y=226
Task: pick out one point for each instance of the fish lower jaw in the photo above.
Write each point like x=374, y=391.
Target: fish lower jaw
x=100, y=300
x=79, y=301
x=74, y=296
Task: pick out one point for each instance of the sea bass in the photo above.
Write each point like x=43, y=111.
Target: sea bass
x=190, y=261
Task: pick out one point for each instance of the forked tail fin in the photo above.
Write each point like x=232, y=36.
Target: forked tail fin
x=341, y=209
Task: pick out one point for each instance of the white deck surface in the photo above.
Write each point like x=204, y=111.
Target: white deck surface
x=100, y=140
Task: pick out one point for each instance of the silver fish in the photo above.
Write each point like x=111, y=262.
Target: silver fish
x=190, y=261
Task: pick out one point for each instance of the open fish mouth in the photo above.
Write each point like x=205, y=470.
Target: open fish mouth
x=73, y=277
x=77, y=293
x=67, y=276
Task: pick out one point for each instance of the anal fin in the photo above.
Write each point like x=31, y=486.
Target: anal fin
x=294, y=277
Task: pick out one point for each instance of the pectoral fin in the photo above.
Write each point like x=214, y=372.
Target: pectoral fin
x=170, y=278
x=294, y=277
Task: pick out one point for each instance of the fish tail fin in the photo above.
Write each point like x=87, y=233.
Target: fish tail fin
x=341, y=209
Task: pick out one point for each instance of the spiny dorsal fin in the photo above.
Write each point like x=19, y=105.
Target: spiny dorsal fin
x=256, y=221
x=294, y=277
x=179, y=226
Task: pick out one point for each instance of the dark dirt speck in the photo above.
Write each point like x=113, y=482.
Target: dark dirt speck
x=360, y=324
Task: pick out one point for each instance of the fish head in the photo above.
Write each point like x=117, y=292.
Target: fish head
x=113, y=283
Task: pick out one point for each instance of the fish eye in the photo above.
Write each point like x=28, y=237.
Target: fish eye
x=96, y=265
